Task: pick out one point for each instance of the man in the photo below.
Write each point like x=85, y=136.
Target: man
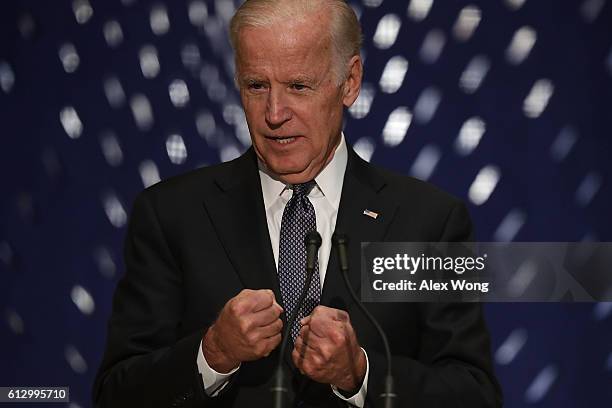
x=215, y=259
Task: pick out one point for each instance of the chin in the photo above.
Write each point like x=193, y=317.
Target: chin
x=283, y=171
x=291, y=174
x=294, y=178
x=286, y=165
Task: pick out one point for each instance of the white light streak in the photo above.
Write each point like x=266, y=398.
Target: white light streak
x=469, y=136
x=82, y=299
x=474, y=74
x=538, y=98
x=522, y=42
x=419, y=9
x=386, y=31
x=483, y=185
x=396, y=127
x=467, y=22
x=393, y=75
x=142, y=112
x=177, y=151
x=71, y=122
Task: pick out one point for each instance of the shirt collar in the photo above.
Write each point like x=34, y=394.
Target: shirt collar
x=329, y=180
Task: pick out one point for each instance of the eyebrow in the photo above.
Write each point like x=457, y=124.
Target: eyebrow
x=301, y=78
x=251, y=79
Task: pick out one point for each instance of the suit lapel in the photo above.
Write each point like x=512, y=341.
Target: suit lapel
x=362, y=190
x=237, y=212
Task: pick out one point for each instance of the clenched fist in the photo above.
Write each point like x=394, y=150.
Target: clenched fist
x=248, y=328
x=327, y=350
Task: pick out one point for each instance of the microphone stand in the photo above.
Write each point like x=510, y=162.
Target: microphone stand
x=279, y=390
x=340, y=242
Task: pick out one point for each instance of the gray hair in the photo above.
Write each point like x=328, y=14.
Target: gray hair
x=345, y=30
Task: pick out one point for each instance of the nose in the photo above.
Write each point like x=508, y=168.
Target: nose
x=277, y=109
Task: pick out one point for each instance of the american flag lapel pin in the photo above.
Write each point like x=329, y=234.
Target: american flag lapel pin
x=370, y=214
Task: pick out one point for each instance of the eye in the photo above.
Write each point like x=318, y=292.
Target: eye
x=255, y=86
x=299, y=86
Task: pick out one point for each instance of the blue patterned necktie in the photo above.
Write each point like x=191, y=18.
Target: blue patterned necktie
x=298, y=220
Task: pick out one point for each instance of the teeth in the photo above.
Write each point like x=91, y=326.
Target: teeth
x=285, y=141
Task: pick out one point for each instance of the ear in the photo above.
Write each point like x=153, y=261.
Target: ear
x=352, y=84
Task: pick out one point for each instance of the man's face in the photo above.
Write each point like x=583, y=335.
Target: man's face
x=291, y=97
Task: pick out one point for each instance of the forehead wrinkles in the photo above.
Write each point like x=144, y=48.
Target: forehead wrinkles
x=305, y=43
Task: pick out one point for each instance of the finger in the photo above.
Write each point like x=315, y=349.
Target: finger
x=265, y=317
x=305, y=320
x=300, y=345
x=273, y=342
x=307, y=334
x=298, y=359
x=340, y=315
x=261, y=299
x=303, y=346
x=320, y=325
x=330, y=312
x=270, y=330
x=306, y=361
x=312, y=344
x=312, y=366
x=325, y=324
x=264, y=333
x=247, y=301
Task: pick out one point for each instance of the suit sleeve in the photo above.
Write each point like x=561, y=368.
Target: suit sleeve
x=453, y=367
x=145, y=362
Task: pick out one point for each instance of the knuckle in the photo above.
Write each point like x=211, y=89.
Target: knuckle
x=244, y=327
x=326, y=353
x=244, y=293
x=318, y=310
x=297, y=360
x=338, y=338
x=259, y=349
x=270, y=294
x=278, y=325
x=278, y=311
x=308, y=366
x=235, y=307
x=264, y=295
x=317, y=325
x=251, y=338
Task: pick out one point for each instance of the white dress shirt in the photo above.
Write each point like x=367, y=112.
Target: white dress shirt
x=325, y=198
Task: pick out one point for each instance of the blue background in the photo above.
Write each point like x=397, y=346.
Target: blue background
x=67, y=185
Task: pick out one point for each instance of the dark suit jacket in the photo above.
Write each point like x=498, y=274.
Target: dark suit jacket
x=196, y=240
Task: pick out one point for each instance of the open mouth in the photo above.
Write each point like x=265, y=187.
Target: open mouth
x=283, y=140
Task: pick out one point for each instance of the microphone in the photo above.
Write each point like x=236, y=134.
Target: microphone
x=279, y=390
x=340, y=242
x=312, y=242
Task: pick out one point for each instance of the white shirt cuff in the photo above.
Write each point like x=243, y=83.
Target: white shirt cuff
x=213, y=381
x=357, y=400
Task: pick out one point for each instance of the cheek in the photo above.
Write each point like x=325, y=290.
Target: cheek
x=256, y=122
x=317, y=116
x=328, y=118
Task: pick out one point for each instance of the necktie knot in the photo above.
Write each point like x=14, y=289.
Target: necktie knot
x=302, y=190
